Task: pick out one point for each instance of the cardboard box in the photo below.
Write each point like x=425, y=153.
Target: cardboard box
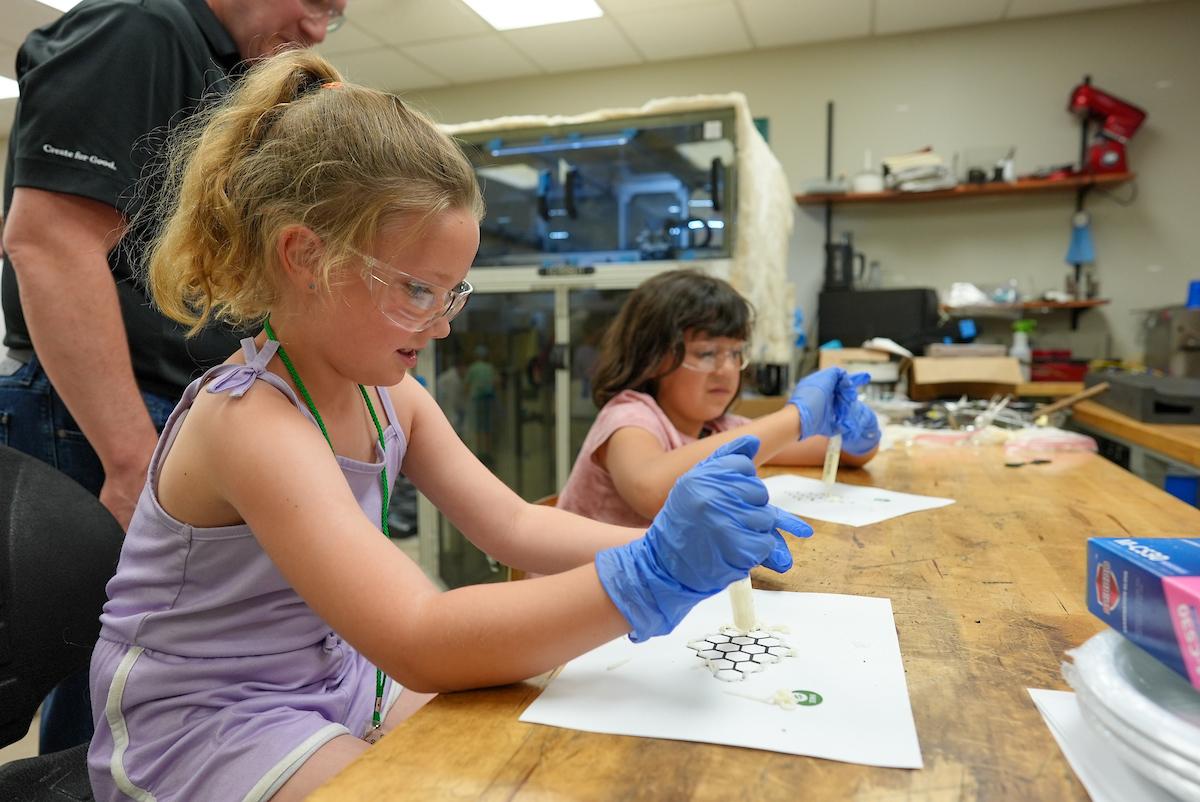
x=965, y=350
x=840, y=357
x=881, y=366
x=1148, y=589
x=758, y=405
x=975, y=377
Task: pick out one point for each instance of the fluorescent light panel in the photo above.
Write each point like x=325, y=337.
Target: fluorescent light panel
x=505, y=15
x=61, y=5
x=8, y=88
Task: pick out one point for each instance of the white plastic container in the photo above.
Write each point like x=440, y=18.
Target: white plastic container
x=1020, y=348
x=1146, y=712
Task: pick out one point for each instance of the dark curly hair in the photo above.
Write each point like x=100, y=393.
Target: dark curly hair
x=652, y=325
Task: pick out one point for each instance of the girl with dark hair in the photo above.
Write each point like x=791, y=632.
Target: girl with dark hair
x=670, y=367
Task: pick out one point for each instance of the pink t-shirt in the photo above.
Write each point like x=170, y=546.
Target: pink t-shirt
x=590, y=491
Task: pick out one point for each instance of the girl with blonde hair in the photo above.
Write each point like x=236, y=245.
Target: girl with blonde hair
x=260, y=631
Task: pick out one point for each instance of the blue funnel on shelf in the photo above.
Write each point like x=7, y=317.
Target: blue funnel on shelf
x=1081, y=250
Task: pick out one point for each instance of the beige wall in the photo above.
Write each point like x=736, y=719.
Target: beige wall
x=990, y=85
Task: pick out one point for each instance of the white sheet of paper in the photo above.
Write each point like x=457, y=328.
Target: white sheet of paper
x=1101, y=771
x=847, y=504
x=846, y=650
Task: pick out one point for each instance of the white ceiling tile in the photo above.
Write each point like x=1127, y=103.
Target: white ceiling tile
x=773, y=23
x=19, y=17
x=586, y=44
x=618, y=7
x=1036, y=8
x=698, y=30
x=348, y=39
x=400, y=22
x=476, y=58
x=895, y=16
x=384, y=68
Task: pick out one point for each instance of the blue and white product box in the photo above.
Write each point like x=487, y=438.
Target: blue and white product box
x=1148, y=589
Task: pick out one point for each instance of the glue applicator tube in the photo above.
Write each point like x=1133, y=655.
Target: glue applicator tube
x=833, y=455
x=741, y=593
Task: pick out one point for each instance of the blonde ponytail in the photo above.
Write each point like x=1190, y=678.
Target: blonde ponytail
x=292, y=144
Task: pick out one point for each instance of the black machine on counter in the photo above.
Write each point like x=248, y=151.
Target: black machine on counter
x=910, y=316
x=1149, y=398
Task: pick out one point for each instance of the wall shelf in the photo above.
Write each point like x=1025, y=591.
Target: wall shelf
x=1014, y=311
x=1080, y=185
x=1011, y=310
x=1026, y=186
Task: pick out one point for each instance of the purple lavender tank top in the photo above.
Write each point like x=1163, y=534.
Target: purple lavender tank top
x=212, y=591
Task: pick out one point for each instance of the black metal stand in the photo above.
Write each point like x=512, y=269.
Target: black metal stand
x=1080, y=200
x=828, y=180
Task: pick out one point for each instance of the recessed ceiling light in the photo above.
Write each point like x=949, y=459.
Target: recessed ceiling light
x=8, y=88
x=61, y=5
x=504, y=15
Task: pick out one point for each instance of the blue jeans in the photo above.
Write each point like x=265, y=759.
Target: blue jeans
x=34, y=419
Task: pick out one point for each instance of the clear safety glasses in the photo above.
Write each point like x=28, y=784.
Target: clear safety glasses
x=706, y=359
x=409, y=302
x=325, y=11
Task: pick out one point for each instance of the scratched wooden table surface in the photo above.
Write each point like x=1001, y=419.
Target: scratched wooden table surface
x=987, y=595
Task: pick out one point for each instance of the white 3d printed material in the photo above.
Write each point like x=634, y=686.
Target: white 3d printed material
x=733, y=654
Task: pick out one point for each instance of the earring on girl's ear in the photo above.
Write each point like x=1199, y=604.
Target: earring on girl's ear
x=312, y=286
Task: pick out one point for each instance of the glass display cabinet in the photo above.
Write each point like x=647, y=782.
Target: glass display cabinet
x=577, y=216
x=611, y=192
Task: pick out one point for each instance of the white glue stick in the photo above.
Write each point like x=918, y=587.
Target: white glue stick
x=741, y=593
x=833, y=454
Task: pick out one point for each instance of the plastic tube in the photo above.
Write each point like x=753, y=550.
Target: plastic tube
x=833, y=455
x=741, y=593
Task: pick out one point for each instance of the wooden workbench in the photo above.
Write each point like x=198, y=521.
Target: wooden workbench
x=756, y=406
x=988, y=593
x=1179, y=442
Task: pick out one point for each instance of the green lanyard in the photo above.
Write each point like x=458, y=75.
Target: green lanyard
x=373, y=733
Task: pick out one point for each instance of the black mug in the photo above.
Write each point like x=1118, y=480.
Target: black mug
x=769, y=378
x=840, y=263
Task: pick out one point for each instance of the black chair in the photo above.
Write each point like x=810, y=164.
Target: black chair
x=58, y=548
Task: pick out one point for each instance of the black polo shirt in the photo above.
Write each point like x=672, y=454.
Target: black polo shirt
x=98, y=89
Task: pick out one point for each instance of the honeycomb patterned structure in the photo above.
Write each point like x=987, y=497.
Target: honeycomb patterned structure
x=733, y=655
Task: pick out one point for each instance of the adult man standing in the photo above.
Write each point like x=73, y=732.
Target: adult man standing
x=97, y=369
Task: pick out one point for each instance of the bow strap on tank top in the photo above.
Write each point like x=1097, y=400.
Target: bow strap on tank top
x=237, y=379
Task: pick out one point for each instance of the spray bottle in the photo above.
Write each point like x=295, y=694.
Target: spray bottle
x=1020, y=346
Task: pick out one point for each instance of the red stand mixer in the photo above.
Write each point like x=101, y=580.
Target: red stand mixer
x=1119, y=120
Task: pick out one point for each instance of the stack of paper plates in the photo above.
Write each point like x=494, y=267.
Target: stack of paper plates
x=1148, y=713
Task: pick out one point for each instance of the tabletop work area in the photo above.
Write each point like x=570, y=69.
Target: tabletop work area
x=988, y=593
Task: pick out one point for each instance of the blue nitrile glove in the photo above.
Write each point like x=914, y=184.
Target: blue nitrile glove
x=715, y=527
x=824, y=398
x=860, y=430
